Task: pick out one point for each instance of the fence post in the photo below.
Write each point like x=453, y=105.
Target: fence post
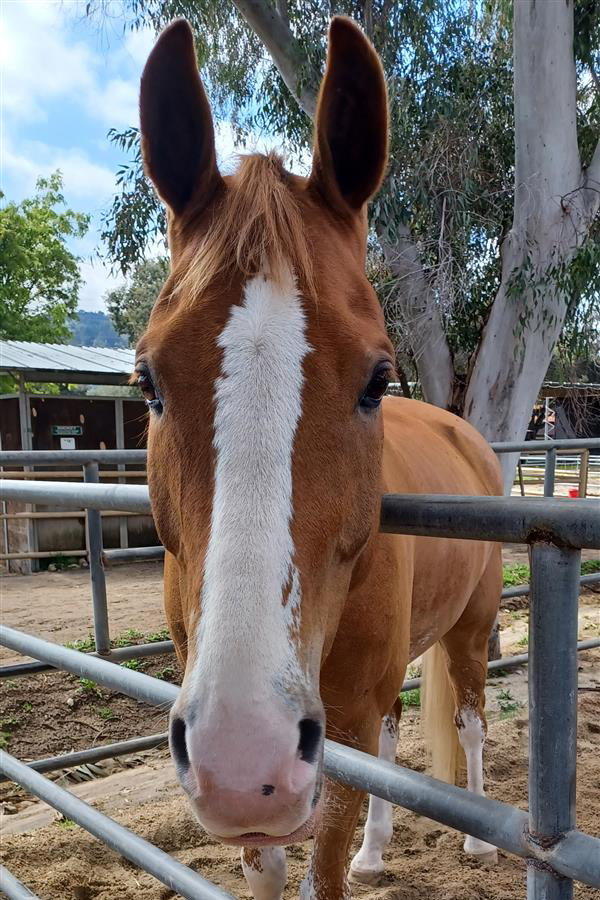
x=549, y=472
x=98, y=581
x=584, y=468
x=554, y=595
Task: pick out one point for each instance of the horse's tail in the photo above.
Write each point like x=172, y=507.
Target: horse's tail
x=437, y=716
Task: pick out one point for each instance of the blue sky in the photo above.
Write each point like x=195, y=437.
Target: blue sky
x=66, y=80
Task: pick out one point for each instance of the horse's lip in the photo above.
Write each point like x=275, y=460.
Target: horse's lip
x=260, y=839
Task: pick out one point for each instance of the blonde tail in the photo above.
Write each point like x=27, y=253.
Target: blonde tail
x=437, y=716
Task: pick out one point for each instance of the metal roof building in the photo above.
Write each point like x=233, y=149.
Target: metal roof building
x=61, y=362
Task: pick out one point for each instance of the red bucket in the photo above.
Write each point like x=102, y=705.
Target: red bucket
x=573, y=492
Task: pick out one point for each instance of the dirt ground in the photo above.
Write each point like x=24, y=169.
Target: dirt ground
x=55, y=712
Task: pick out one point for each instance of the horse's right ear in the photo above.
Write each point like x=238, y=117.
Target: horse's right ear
x=178, y=139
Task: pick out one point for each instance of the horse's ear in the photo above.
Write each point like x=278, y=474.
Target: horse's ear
x=351, y=138
x=178, y=140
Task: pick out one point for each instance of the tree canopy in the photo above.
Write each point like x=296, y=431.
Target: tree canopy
x=39, y=274
x=129, y=306
x=449, y=70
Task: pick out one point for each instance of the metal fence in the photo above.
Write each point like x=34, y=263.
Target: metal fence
x=555, y=851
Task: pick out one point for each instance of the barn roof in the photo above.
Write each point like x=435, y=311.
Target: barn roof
x=63, y=362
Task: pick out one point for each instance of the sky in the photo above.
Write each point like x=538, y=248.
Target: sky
x=64, y=81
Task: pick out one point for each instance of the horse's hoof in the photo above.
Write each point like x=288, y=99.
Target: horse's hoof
x=365, y=876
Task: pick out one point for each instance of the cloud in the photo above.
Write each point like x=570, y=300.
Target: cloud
x=38, y=63
x=97, y=280
x=85, y=181
x=50, y=51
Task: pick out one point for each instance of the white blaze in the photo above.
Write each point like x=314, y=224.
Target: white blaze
x=245, y=630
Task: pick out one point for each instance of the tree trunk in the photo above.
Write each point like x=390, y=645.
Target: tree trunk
x=555, y=203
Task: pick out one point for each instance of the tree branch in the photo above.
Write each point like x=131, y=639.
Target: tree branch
x=285, y=50
x=421, y=319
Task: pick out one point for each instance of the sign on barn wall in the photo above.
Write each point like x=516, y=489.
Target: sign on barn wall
x=67, y=430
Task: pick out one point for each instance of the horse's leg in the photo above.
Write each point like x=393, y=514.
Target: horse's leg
x=327, y=876
x=367, y=866
x=467, y=647
x=266, y=871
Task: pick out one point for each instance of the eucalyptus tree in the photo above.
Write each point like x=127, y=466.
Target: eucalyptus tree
x=487, y=227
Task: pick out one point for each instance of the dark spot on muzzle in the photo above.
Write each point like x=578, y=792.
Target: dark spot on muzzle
x=268, y=789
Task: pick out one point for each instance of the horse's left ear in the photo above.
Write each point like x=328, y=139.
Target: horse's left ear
x=351, y=136
x=178, y=140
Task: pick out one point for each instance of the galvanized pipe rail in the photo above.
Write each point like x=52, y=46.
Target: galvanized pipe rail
x=12, y=888
x=156, y=862
x=572, y=855
x=556, y=530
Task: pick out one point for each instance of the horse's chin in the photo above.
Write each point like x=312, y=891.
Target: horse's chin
x=260, y=839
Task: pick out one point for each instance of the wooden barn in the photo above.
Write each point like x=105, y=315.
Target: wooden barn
x=70, y=420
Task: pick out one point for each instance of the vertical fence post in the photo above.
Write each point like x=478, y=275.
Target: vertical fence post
x=584, y=467
x=554, y=597
x=549, y=472
x=94, y=544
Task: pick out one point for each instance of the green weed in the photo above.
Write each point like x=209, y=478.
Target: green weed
x=155, y=636
x=84, y=645
x=138, y=665
x=90, y=687
x=411, y=698
x=507, y=703
x=128, y=637
x=166, y=674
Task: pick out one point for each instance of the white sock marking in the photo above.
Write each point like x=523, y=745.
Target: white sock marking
x=472, y=737
x=266, y=872
x=368, y=862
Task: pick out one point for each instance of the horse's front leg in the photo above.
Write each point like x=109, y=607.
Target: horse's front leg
x=327, y=875
x=265, y=869
x=327, y=878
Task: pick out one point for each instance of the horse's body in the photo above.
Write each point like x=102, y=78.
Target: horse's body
x=264, y=366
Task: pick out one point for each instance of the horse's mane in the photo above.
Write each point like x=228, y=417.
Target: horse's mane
x=256, y=227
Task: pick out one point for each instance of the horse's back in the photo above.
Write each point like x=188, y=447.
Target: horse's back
x=431, y=451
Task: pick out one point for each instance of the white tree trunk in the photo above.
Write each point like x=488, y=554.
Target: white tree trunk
x=420, y=316
x=555, y=203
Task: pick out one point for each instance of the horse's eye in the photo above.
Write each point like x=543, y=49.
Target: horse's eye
x=146, y=386
x=376, y=388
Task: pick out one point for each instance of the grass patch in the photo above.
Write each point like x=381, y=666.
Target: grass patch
x=128, y=637
x=138, y=665
x=84, y=645
x=524, y=641
x=64, y=822
x=87, y=686
x=508, y=704
x=106, y=713
x=411, y=698
x=518, y=573
x=7, y=726
x=166, y=674
x=155, y=636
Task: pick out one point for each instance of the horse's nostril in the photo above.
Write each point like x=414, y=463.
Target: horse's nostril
x=177, y=743
x=310, y=738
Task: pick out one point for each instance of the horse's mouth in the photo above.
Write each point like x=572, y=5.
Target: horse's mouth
x=261, y=839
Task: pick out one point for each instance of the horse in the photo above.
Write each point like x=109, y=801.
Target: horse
x=270, y=444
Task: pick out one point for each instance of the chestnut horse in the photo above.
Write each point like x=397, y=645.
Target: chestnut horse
x=270, y=444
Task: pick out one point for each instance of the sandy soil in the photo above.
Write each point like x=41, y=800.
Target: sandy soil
x=425, y=861
x=57, y=605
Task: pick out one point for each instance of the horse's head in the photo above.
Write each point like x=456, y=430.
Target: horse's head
x=263, y=366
